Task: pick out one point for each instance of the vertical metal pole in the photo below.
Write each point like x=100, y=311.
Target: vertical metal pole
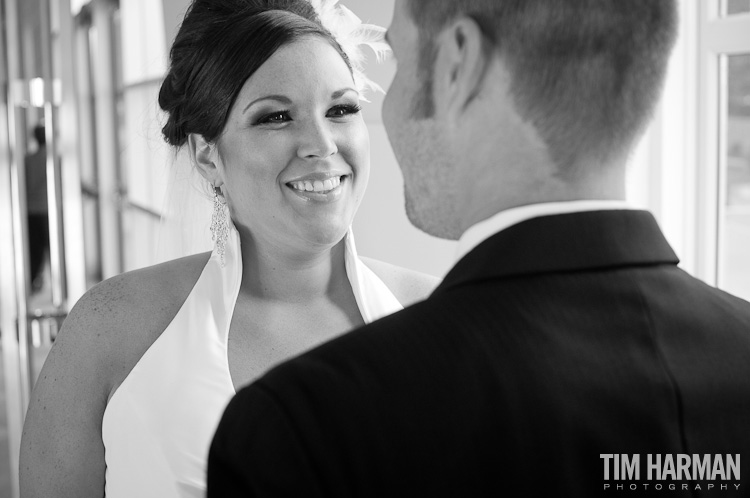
x=13, y=244
x=54, y=181
x=16, y=142
x=73, y=143
x=107, y=150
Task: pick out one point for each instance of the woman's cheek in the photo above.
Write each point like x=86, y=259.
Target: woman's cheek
x=359, y=150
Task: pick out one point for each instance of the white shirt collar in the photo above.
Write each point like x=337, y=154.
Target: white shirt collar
x=483, y=230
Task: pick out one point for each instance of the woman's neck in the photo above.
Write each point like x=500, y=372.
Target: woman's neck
x=288, y=274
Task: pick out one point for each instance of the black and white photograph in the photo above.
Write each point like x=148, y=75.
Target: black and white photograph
x=374, y=248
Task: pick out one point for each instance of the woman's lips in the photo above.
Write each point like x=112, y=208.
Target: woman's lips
x=328, y=189
x=317, y=186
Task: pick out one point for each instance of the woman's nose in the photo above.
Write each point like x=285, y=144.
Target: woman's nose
x=317, y=141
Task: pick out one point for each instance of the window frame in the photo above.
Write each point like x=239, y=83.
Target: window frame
x=680, y=166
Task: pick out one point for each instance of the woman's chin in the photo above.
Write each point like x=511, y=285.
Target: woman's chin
x=324, y=236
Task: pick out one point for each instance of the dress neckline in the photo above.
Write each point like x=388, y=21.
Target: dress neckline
x=374, y=299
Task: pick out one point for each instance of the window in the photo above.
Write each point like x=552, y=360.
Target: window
x=724, y=143
x=734, y=223
x=693, y=167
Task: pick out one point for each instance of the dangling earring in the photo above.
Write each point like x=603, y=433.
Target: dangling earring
x=219, y=224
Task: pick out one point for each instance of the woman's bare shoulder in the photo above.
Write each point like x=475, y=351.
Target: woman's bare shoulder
x=408, y=286
x=104, y=336
x=122, y=316
x=140, y=295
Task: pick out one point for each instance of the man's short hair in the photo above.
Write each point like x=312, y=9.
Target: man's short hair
x=586, y=73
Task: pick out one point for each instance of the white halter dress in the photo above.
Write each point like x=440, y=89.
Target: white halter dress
x=158, y=425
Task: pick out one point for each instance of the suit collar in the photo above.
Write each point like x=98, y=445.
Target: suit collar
x=477, y=233
x=565, y=242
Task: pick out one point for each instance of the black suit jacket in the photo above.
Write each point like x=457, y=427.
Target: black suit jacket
x=553, y=342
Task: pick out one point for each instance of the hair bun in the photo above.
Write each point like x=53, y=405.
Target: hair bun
x=171, y=99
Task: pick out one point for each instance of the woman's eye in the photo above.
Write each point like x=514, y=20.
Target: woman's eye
x=340, y=111
x=275, y=117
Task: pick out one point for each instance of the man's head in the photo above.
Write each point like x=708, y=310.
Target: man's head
x=579, y=77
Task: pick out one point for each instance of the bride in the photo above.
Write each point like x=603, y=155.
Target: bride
x=267, y=103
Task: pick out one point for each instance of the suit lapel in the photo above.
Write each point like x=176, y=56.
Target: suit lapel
x=564, y=243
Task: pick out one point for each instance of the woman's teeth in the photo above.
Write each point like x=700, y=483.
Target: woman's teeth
x=317, y=186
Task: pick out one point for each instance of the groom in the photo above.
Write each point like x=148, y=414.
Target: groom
x=565, y=336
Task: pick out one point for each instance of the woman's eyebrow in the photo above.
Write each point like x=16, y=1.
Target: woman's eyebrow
x=340, y=93
x=286, y=100
x=279, y=98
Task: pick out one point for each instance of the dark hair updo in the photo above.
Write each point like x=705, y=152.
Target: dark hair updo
x=220, y=44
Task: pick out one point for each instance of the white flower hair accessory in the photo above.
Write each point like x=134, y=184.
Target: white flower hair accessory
x=352, y=35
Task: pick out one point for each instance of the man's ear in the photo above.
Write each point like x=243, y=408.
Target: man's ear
x=205, y=157
x=460, y=65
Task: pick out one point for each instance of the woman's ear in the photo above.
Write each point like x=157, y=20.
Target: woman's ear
x=206, y=158
x=460, y=66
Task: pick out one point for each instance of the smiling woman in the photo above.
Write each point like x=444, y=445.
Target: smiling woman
x=295, y=121
x=267, y=104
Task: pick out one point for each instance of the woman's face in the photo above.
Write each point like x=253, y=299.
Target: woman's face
x=295, y=152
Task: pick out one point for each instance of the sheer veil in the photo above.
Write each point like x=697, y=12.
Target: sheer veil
x=186, y=211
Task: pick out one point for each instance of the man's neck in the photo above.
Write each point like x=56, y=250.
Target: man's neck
x=537, y=185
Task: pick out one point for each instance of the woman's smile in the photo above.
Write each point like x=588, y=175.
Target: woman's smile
x=320, y=187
